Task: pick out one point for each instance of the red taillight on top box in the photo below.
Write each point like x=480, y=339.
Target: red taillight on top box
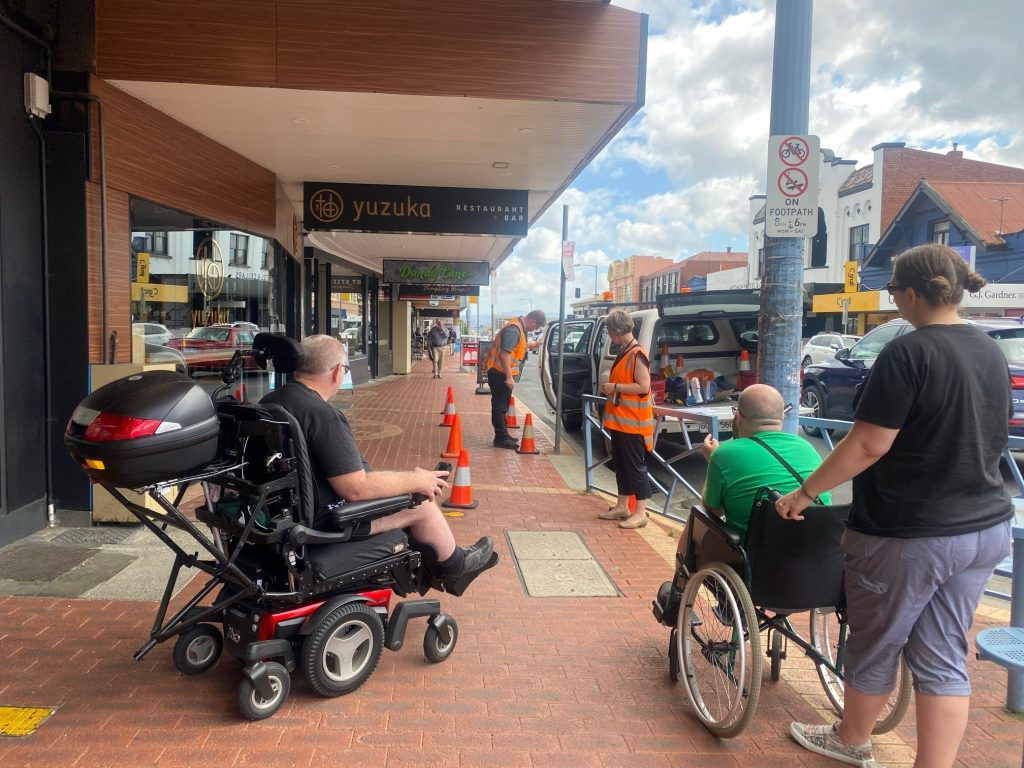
x=144, y=429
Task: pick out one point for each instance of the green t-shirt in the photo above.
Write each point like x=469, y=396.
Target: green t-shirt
x=739, y=467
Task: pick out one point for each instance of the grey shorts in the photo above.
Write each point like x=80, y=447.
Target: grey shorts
x=917, y=596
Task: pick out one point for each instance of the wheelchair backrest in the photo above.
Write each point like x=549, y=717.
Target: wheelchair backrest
x=257, y=435
x=796, y=565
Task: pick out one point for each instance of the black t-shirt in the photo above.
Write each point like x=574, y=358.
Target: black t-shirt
x=947, y=389
x=331, y=444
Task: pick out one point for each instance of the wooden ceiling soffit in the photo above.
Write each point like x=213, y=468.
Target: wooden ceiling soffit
x=531, y=50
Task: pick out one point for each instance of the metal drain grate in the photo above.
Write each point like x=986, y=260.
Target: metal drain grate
x=93, y=537
x=31, y=562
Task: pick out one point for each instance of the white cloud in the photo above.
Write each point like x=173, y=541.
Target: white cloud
x=914, y=71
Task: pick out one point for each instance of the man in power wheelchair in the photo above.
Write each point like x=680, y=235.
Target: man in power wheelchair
x=294, y=583
x=732, y=585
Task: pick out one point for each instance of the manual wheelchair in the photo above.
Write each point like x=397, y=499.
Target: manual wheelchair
x=291, y=585
x=727, y=590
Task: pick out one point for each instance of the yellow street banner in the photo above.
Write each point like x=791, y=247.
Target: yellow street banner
x=865, y=301
x=174, y=294
x=850, y=283
x=142, y=267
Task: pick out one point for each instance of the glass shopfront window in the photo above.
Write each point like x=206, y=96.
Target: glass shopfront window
x=194, y=305
x=348, y=297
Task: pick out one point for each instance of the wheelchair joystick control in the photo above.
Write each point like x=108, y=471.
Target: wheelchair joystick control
x=419, y=498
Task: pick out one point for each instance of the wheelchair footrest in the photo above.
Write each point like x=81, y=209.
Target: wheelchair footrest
x=394, y=638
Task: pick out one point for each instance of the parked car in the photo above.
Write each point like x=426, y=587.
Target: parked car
x=209, y=348
x=709, y=329
x=154, y=333
x=830, y=387
x=824, y=346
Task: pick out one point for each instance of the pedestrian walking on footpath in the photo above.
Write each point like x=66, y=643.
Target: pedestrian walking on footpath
x=930, y=517
x=629, y=419
x=437, y=340
x=503, y=366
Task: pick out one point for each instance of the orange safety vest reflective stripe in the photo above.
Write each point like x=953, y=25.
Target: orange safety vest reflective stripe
x=632, y=414
x=518, y=354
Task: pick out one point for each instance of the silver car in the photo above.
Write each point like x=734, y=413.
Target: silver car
x=824, y=347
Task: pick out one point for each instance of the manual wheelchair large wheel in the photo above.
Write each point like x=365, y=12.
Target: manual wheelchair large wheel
x=829, y=633
x=343, y=649
x=719, y=647
x=439, y=644
x=251, y=703
x=198, y=649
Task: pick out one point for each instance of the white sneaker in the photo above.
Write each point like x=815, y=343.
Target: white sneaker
x=824, y=739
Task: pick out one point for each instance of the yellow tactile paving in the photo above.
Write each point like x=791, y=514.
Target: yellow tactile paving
x=22, y=721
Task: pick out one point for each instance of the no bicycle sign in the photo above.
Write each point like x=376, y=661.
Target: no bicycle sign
x=791, y=203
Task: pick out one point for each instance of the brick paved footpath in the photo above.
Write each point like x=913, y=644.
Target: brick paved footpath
x=533, y=682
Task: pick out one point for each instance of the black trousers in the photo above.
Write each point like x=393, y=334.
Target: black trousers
x=500, y=396
x=629, y=453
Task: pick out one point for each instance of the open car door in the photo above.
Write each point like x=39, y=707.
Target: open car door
x=578, y=373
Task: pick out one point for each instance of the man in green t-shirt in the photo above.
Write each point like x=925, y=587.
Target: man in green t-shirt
x=738, y=467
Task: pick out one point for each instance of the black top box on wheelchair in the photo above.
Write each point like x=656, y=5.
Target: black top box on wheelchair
x=284, y=593
x=728, y=589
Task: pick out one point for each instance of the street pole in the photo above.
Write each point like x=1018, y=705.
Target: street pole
x=779, y=326
x=561, y=334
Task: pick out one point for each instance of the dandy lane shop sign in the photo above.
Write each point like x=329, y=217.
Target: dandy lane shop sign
x=434, y=210
x=436, y=273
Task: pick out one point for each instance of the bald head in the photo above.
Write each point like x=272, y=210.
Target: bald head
x=761, y=409
x=320, y=354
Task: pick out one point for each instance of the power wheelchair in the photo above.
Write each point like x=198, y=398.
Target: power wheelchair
x=290, y=585
x=728, y=589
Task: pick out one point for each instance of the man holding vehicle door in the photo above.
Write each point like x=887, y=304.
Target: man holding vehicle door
x=503, y=365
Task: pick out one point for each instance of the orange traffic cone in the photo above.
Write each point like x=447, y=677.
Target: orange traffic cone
x=454, y=440
x=449, y=410
x=744, y=364
x=450, y=397
x=511, y=419
x=631, y=504
x=526, y=445
x=462, y=489
x=240, y=393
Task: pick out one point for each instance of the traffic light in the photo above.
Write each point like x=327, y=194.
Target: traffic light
x=577, y=293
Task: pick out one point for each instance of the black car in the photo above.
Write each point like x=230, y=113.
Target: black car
x=829, y=388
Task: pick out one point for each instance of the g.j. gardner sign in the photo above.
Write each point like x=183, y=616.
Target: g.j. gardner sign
x=436, y=272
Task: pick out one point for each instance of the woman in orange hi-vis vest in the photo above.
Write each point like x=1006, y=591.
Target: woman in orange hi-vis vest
x=629, y=419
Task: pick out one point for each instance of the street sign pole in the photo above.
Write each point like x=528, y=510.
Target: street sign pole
x=561, y=327
x=781, y=319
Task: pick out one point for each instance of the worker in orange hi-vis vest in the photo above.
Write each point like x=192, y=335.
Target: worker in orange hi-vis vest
x=629, y=419
x=503, y=365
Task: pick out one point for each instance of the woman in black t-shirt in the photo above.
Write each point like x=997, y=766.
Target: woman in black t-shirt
x=930, y=518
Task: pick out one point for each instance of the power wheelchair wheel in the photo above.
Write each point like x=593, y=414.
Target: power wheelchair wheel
x=439, y=644
x=828, y=636
x=720, y=656
x=251, y=703
x=198, y=649
x=343, y=649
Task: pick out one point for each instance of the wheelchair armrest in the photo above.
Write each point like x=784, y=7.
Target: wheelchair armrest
x=301, y=534
x=355, y=511
x=730, y=534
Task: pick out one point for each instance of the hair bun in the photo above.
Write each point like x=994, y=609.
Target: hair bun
x=974, y=282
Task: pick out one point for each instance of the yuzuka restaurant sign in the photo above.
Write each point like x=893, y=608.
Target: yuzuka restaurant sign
x=435, y=210
x=438, y=274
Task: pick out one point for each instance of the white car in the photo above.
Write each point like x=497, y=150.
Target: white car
x=824, y=346
x=154, y=333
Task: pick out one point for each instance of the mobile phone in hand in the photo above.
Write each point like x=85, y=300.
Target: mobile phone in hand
x=443, y=466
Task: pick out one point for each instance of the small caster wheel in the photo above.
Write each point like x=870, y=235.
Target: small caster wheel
x=776, y=654
x=673, y=656
x=251, y=703
x=198, y=649
x=439, y=644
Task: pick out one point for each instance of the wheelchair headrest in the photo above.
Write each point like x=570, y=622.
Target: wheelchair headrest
x=285, y=352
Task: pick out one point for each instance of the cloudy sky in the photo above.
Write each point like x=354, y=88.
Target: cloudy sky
x=676, y=180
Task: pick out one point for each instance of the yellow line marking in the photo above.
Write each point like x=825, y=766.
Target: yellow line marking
x=22, y=721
